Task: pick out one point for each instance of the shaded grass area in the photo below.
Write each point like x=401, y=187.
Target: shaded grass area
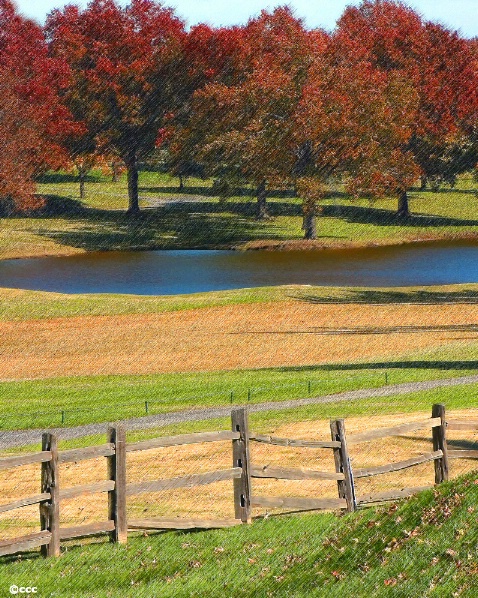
x=27, y=305
x=195, y=218
x=424, y=546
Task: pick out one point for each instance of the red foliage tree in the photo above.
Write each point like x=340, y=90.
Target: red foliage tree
x=214, y=55
x=129, y=71
x=432, y=60
x=244, y=123
x=32, y=119
x=349, y=123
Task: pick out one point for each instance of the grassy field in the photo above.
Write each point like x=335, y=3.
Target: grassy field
x=79, y=399
x=425, y=546
x=22, y=305
x=82, y=400
x=200, y=220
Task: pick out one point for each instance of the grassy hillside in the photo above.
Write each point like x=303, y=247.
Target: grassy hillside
x=199, y=220
x=21, y=305
x=425, y=546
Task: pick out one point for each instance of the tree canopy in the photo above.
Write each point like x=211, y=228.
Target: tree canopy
x=382, y=100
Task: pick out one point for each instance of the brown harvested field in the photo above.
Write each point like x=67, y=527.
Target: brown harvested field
x=222, y=338
x=216, y=500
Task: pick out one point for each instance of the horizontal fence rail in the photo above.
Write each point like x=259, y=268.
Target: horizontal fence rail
x=283, y=473
x=399, y=465
x=293, y=443
x=189, y=481
x=300, y=504
x=9, y=462
x=91, y=452
x=25, y=543
x=117, y=490
x=182, y=439
x=182, y=523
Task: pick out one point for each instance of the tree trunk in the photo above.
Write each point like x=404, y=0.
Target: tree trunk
x=133, y=198
x=181, y=182
x=423, y=182
x=261, y=201
x=309, y=221
x=115, y=177
x=310, y=225
x=82, y=177
x=403, y=209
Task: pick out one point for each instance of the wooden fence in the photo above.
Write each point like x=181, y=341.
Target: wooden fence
x=241, y=473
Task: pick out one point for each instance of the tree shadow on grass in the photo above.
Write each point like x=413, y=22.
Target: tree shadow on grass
x=444, y=365
x=206, y=191
x=244, y=208
x=376, y=296
x=101, y=230
x=66, y=177
x=379, y=216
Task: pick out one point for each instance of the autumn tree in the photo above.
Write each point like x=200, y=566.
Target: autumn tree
x=214, y=55
x=243, y=125
x=352, y=123
x=129, y=71
x=432, y=60
x=32, y=119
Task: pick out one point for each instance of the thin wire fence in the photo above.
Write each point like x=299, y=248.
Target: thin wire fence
x=69, y=416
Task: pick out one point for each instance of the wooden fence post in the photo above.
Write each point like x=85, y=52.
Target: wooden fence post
x=50, y=509
x=117, y=473
x=240, y=456
x=342, y=464
x=439, y=444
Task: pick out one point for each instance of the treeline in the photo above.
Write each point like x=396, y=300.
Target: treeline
x=384, y=99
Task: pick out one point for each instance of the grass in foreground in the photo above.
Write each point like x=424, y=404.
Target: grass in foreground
x=424, y=546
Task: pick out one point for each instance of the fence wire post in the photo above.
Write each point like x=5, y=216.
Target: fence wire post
x=117, y=473
x=241, y=458
x=342, y=464
x=50, y=509
x=440, y=444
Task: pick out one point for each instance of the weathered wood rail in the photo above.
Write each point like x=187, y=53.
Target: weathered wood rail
x=242, y=472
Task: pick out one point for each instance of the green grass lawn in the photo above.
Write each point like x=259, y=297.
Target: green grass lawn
x=81, y=400
x=98, y=222
x=424, y=546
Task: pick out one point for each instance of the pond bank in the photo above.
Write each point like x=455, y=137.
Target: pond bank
x=54, y=250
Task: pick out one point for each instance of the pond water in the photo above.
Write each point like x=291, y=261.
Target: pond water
x=192, y=271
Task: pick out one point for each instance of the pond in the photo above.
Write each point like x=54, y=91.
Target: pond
x=192, y=271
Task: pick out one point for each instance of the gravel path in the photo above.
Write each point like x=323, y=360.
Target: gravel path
x=16, y=438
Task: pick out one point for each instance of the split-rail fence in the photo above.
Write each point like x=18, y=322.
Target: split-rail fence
x=116, y=448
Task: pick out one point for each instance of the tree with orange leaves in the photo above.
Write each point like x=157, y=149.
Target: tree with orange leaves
x=32, y=118
x=243, y=126
x=129, y=71
x=435, y=63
